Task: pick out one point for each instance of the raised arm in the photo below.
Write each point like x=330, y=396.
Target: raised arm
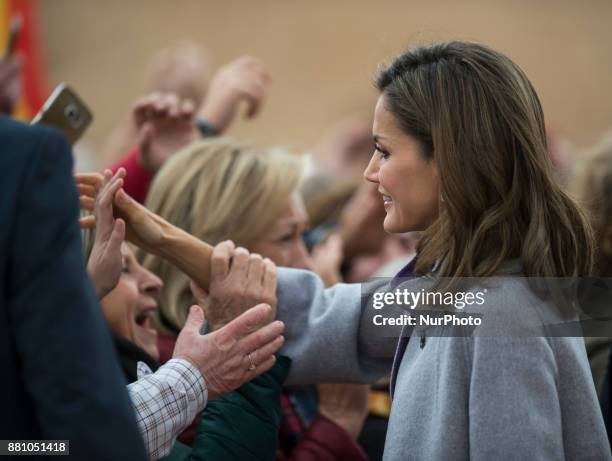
x=329, y=337
x=152, y=233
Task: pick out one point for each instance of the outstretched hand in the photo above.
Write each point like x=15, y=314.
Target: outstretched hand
x=238, y=280
x=165, y=125
x=149, y=231
x=234, y=354
x=105, y=262
x=89, y=185
x=143, y=228
x=244, y=79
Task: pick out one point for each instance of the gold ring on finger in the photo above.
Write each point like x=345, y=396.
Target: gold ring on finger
x=252, y=366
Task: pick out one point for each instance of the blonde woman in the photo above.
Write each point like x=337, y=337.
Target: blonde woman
x=219, y=190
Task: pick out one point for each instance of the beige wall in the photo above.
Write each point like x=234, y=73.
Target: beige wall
x=322, y=54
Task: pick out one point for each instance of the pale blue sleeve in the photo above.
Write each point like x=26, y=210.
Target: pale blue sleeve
x=328, y=334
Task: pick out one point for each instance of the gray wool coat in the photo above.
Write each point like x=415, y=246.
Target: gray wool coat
x=455, y=398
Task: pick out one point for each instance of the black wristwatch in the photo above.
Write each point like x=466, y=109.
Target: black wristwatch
x=206, y=128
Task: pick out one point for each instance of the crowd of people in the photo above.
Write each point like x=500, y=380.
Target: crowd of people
x=205, y=298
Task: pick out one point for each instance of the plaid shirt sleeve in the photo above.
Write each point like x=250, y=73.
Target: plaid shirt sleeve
x=166, y=402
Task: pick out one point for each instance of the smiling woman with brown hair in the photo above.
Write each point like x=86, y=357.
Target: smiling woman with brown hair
x=461, y=156
x=470, y=117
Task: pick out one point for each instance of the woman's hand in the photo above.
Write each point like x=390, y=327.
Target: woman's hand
x=327, y=258
x=234, y=354
x=143, y=228
x=238, y=281
x=89, y=185
x=345, y=404
x=105, y=262
x=151, y=232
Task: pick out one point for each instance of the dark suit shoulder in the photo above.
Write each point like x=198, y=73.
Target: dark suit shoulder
x=21, y=140
x=32, y=157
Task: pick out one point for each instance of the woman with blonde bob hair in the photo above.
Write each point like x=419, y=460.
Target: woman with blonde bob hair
x=221, y=190
x=460, y=155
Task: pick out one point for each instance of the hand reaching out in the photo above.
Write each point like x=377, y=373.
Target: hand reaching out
x=234, y=354
x=150, y=232
x=238, y=281
x=165, y=125
x=244, y=79
x=105, y=262
x=89, y=185
x=143, y=228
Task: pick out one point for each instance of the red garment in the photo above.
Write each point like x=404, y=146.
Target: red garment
x=324, y=440
x=292, y=428
x=165, y=344
x=137, y=180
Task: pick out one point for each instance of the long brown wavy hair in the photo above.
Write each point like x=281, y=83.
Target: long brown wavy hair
x=479, y=118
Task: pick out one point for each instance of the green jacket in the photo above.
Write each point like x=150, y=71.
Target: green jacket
x=241, y=425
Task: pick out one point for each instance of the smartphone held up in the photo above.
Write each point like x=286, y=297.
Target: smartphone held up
x=66, y=111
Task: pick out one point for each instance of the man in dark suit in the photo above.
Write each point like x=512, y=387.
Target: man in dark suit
x=60, y=377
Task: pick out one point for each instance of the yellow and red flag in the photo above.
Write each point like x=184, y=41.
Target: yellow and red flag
x=28, y=46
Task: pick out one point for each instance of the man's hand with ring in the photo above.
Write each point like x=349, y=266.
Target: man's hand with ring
x=234, y=354
x=252, y=365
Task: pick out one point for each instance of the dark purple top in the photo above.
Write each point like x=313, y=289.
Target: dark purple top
x=405, y=273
